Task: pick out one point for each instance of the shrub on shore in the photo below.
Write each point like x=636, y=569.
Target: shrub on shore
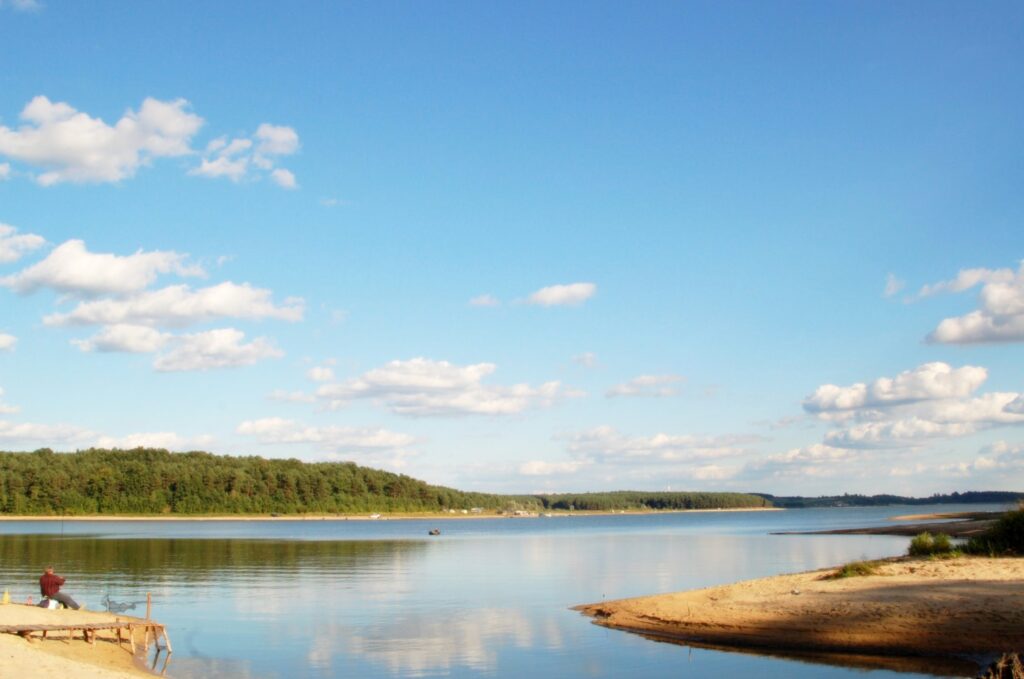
x=926, y=544
x=854, y=569
x=1005, y=537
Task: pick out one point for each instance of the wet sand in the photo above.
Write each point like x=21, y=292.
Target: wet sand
x=970, y=607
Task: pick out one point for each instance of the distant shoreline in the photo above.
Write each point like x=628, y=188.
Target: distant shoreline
x=397, y=516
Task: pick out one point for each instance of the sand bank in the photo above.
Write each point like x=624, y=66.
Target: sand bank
x=57, y=657
x=960, y=525
x=967, y=607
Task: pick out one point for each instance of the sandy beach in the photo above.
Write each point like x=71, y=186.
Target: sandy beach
x=970, y=606
x=58, y=657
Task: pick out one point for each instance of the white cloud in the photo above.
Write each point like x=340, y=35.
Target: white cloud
x=277, y=140
x=320, y=373
x=179, y=305
x=424, y=387
x=485, y=301
x=588, y=359
x=234, y=169
x=160, y=439
x=651, y=386
x=243, y=157
x=1000, y=316
x=7, y=342
x=28, y=433
x=221, y=348
x=1016, y=406
x=71, y=146
x=541, y=468
x=136, y=339
x=893, y=285
x=607, y=445
x=276, y=430
x=928, y=381
x=291, y=396
x=563, y=295
x=5, y=171
x=284, y=178
x=902, y=433
x=12, y=245
x=71, y=268
x=932, y=402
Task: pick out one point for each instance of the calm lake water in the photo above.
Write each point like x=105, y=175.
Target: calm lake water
x=277, y=599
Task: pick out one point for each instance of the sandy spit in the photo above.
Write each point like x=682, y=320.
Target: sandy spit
x=57, y=657
x=970, y=606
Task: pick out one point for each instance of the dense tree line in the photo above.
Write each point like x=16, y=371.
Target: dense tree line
x=151, y=481
x=970, y=497
x=638, y=500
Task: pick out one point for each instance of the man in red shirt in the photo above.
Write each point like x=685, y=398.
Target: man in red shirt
x=49, y=587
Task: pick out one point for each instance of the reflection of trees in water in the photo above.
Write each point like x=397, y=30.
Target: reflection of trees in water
x=190, y=559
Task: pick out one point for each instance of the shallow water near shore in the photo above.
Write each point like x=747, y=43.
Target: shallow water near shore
x=276, y=599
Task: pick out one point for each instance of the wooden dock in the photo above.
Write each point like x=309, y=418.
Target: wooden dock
x=122, y=631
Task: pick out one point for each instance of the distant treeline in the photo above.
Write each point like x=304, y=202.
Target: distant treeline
x=150, y=481
x=628, y=499
x=970, y=497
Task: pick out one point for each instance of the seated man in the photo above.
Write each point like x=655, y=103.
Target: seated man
x=49, y=586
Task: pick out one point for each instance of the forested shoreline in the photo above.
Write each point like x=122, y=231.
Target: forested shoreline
x=147, y=481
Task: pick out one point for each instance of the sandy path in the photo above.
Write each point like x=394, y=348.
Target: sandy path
x=969, y=605
x=53, y=657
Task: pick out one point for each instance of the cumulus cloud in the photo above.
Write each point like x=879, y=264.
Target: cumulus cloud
x=71, y=146
x=276, y=430
x=135, y=339
x=7, y=342
x=14, y=245
x=650, y=386
x=485, y=301
x=424, y=387
x=928, y=381
x=245, y=157
x=29, y=433
x=563, y=295
x=1000, y=316
x=607, y=445
x=180, y=305
x=284, y=178
x=929, y=403
x=71, y=268
x=213, y=349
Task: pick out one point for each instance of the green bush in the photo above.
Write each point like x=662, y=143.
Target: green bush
x=1005, y=537
x=854, y=569
x=926, y=544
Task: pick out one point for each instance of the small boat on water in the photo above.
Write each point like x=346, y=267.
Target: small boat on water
x=435, y=531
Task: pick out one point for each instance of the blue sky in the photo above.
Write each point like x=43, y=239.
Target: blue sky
x=521, y=247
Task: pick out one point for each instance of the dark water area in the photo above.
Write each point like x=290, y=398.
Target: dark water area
x=287, y=599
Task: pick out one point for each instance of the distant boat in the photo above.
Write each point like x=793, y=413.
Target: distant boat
x=435, y=531
x=374, y=516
